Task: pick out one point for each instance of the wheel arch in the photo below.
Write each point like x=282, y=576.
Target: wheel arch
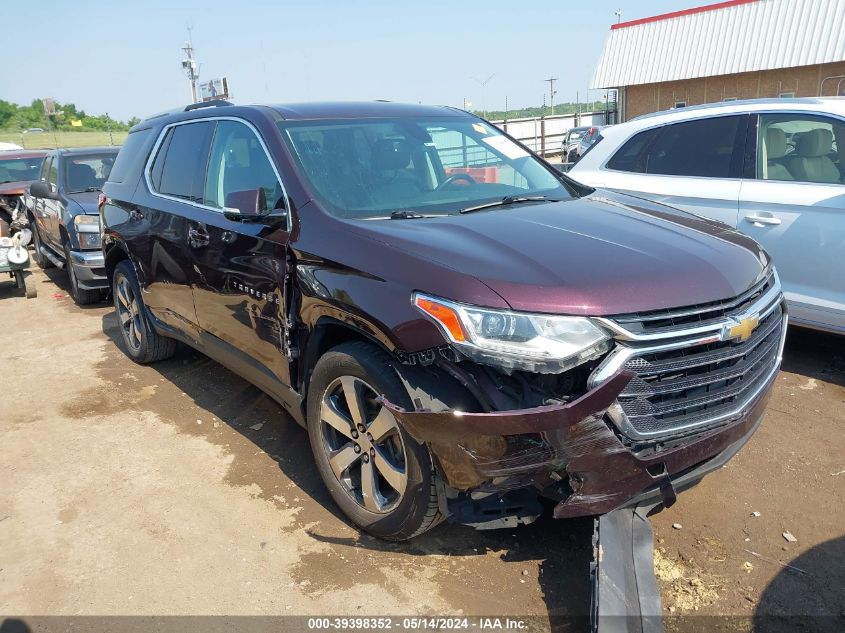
x=327, y=333
x=115, y=254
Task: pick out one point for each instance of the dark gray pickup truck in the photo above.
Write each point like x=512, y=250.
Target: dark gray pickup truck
x=65, y=220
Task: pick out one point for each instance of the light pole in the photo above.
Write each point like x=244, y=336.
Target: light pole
x=189, y=65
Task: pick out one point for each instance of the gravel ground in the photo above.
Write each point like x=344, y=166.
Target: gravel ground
x=181, y=489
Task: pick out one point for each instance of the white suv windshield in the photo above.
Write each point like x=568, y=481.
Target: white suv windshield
x=373, y=167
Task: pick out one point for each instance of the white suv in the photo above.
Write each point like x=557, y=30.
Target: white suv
x=774, y=169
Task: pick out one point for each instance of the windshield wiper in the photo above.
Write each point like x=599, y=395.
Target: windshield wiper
x=86, y=190
x=405, y=214
x=506, y=201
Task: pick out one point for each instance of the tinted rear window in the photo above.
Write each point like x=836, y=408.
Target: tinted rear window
x=703, y=148
x=633, y=155
x=184, y=161
x=129, y=155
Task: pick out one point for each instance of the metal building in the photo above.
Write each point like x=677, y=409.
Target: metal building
x=740, y=49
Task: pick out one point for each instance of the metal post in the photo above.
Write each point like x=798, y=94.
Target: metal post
x=577, y=117
x=108, y=126
x=542, y=136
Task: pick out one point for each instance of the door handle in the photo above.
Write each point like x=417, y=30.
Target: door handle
x=198, y=237
x=763, y=219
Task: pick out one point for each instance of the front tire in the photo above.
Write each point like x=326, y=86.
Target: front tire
x=140, y=340
x=82, y=296
x=378, y=475
x=39, y=257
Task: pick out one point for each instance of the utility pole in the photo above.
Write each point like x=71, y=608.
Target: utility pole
x=189, y=65
x=552, y=93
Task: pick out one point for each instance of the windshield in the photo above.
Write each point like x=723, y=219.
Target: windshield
x=574, y=135
x=88, y=172
x=371, y=168
x=15, y=169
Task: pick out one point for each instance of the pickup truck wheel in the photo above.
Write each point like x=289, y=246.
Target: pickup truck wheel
x=37, y=255
x=140, y=340
x=380, y=477
x=81, y=296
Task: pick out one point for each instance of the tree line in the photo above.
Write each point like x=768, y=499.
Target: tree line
x=14, y=117
x=538, y=111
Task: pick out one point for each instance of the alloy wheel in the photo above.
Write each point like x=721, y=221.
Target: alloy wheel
x=129, y=313
x=362, y=443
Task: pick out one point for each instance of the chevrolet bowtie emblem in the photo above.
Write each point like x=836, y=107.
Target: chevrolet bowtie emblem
x=743, y=329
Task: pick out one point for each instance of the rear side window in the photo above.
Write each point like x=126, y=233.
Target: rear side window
x=633, y=155
x=703, y=148
x=179, y=166
x=129, y=155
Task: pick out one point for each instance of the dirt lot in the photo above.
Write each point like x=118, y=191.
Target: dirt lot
x=181, y=489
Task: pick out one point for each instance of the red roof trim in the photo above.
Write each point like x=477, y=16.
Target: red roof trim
x=677, y=14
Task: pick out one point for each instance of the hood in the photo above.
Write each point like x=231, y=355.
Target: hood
x=87, y=201
x=16, y=188
x=602, y=254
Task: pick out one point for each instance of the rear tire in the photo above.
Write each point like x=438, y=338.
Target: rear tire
x=39, y=257
x=402, y=499
x=82, y=296
x=140, y=340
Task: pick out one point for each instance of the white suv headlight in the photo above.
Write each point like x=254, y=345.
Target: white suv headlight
x=538, y=343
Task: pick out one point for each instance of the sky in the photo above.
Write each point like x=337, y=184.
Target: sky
x=124, y=57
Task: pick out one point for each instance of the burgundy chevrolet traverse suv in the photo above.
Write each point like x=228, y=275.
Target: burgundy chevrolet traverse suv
x=461, y=329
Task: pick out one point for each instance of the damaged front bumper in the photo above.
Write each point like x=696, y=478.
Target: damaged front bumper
x=571, y=453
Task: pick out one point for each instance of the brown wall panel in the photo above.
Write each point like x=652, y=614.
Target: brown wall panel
x=803, y=81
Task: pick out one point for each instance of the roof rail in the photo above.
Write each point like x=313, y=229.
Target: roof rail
x=217, y=103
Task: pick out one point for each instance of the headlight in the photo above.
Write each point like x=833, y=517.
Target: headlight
x=538, y=343
x=88, y=231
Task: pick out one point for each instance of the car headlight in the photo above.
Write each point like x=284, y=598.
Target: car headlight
x=88, y=231
x=538, y=343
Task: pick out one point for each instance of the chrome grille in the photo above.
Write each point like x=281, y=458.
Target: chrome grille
x=695, y=375
x=703, y=314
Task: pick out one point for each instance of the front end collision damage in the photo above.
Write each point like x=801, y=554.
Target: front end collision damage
x=569, y=451
x=495, y=434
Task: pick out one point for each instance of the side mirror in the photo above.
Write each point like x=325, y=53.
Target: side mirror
x=246, y=204
x=40, y=189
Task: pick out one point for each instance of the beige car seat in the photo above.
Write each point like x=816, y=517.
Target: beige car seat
x=812, y=162
x=776, y=149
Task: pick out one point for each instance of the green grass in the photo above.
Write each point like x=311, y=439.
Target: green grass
x=50, y=140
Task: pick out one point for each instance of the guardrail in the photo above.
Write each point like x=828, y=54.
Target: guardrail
x=544, y=135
